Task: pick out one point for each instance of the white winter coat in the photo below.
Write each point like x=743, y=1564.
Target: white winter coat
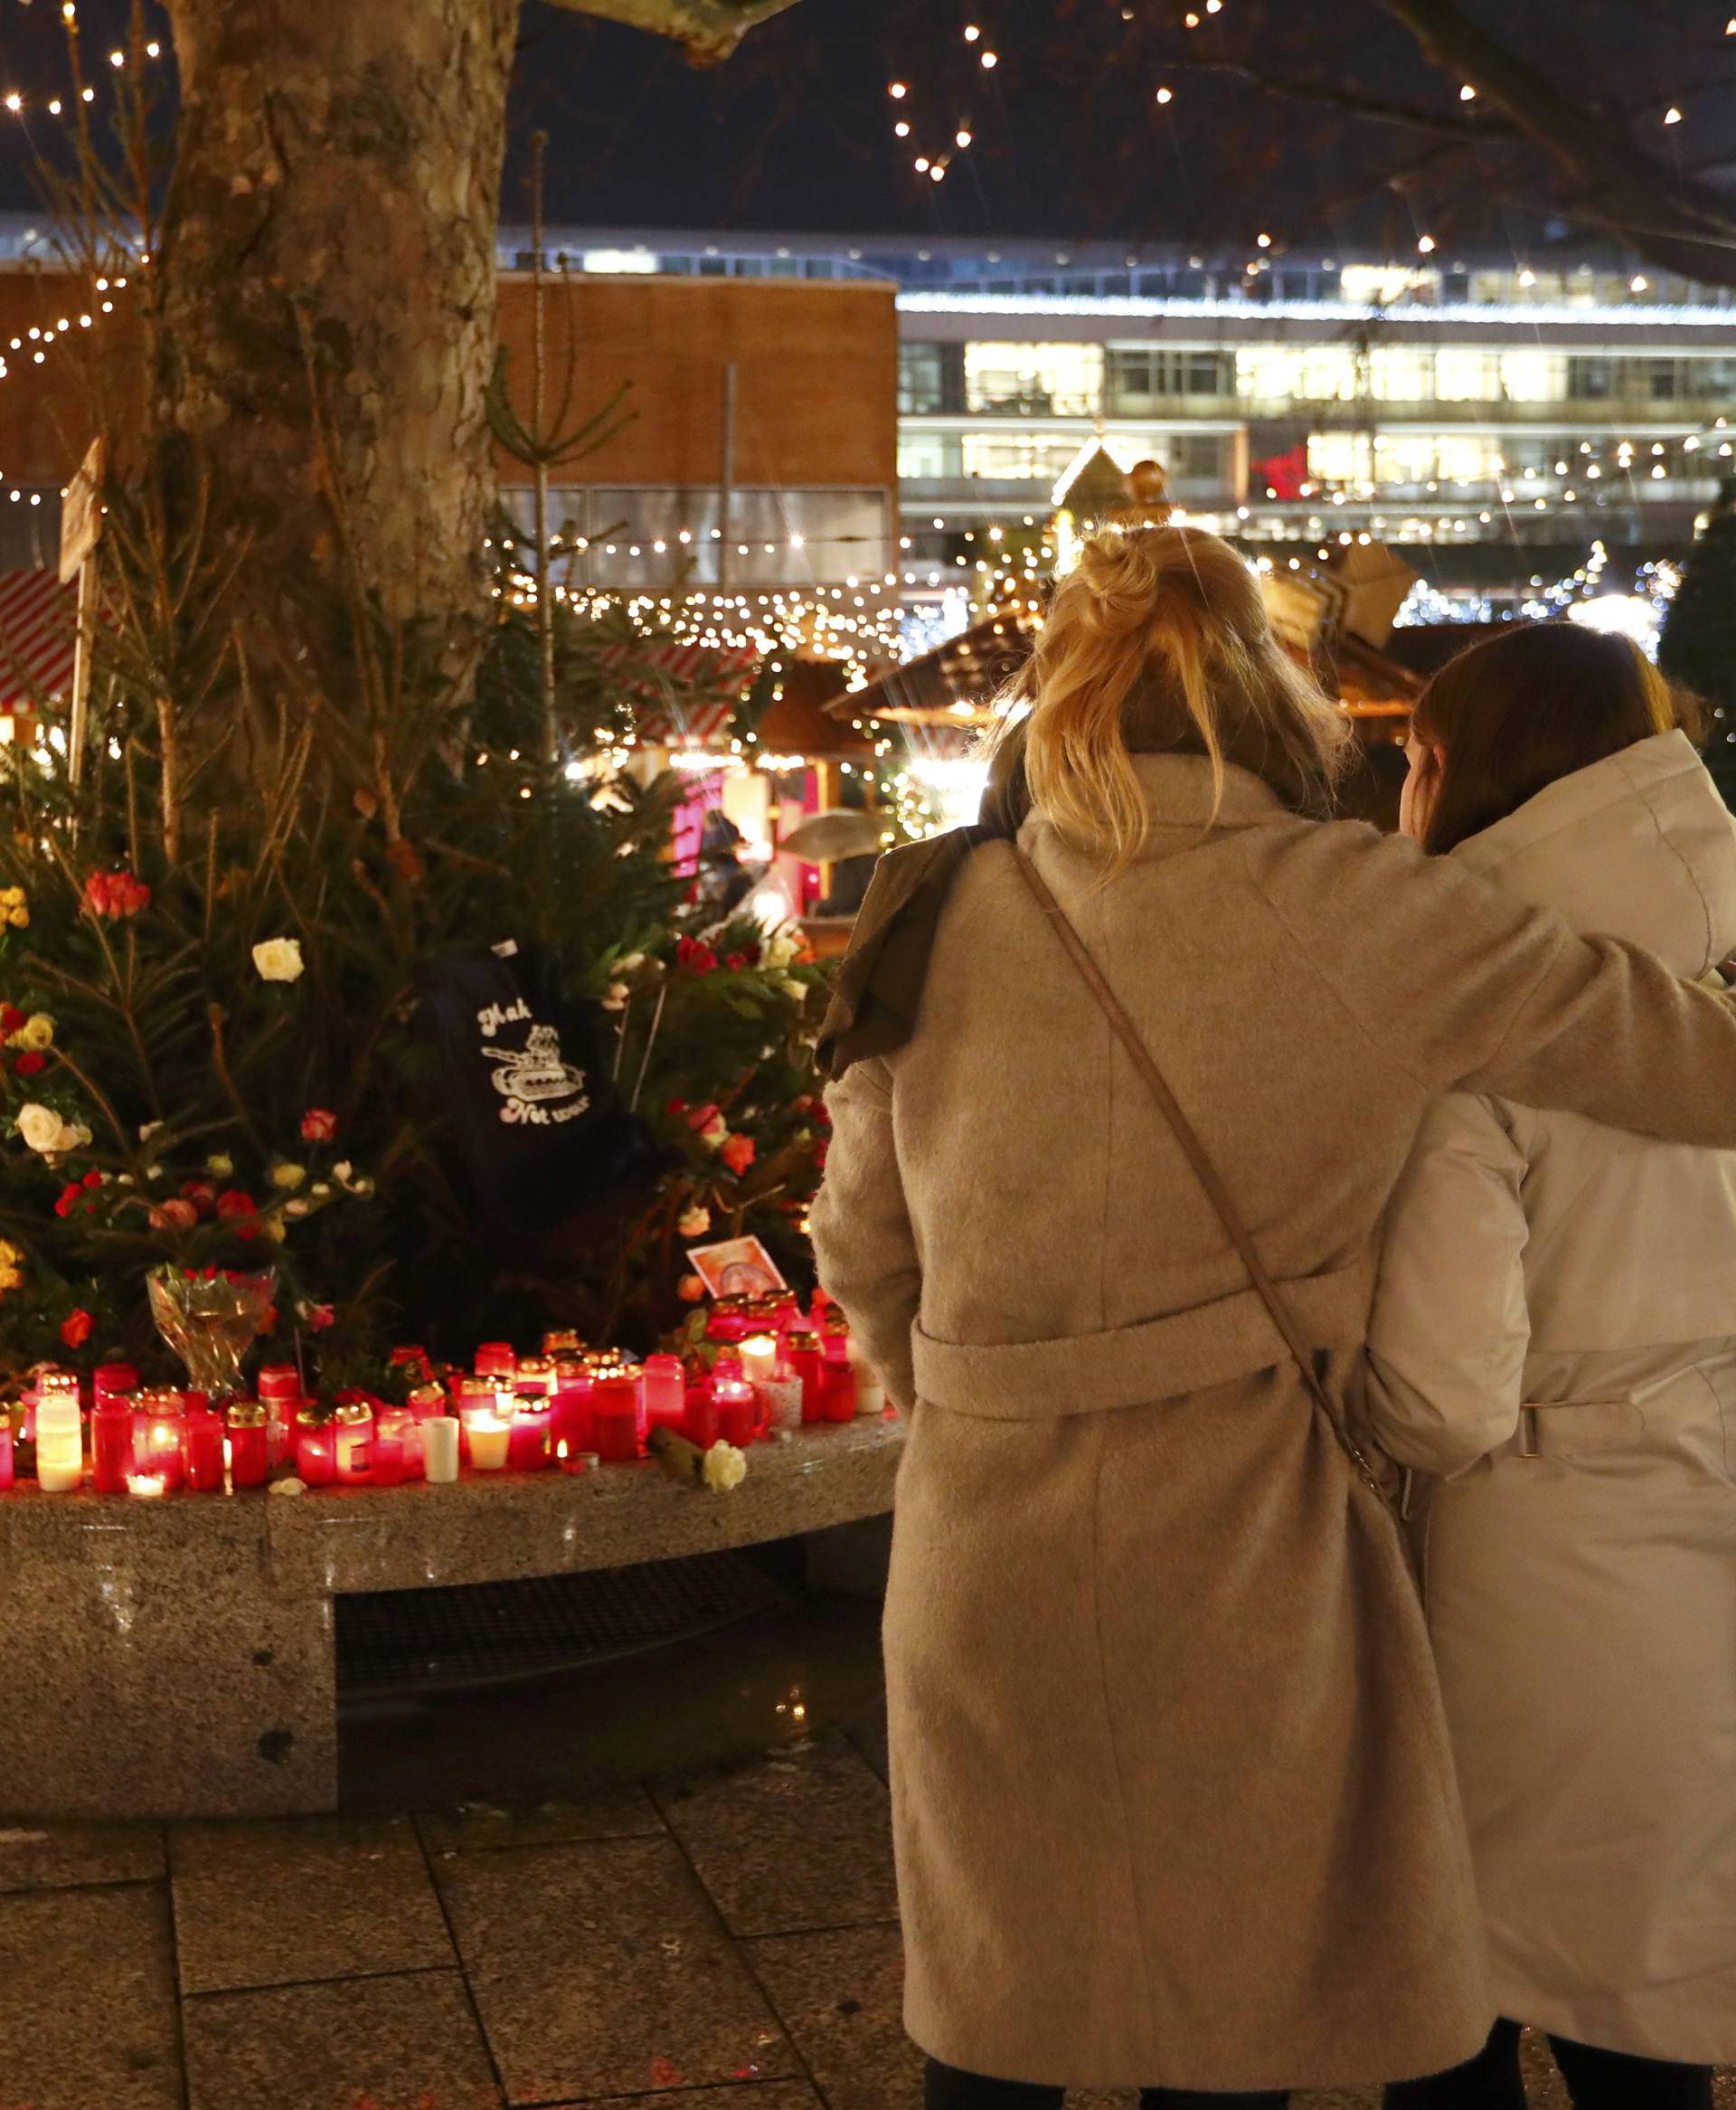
x=1554, y=1335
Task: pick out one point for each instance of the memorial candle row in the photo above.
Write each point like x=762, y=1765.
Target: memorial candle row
x=766, y=1368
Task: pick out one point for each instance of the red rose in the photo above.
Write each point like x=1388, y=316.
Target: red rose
x=77, y=1330
x=736, y=962
x=202, y=1194
x=92, y=1179
x=319, y=1125
x=694, y=953
x=737, y=1154
x=232, y=1202
x=68, y=1200
x=700, y=1118
x=115, y=894
x=11, y=1019
x=677, y=1106
x=174, y=1214
x=321, y=1316
x=30, y=1062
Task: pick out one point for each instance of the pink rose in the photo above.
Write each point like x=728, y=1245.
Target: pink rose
x=737, y=1154
x=319, y=1125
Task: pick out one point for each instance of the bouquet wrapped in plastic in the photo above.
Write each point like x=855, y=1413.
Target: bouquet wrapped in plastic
x=210, y=1318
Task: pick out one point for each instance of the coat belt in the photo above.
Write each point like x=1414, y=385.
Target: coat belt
x=1130, y=1365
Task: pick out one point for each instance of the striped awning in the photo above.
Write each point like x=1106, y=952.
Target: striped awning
x=38, y=626
x=684, y=694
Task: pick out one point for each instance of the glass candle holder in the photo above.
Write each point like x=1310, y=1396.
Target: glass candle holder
x=561, y=1340
x=111, y=1444
x=59, y=1444
x=440, y=1450
x=5, y=1452
x=759, y=1357
x=248, y=1443
x=354, y=1449
x=870, y=1394
x=666, y=1393
x=388, y=1461
x=202, y=1458
x=617, y=1407
x=113, y=1381
x=802, y=1353
x=838, y=1392
x=489, y=1436
x=535, y=1374
x=531, y=1445
x=158, y=1417
x=729, y=1319
x=700, y=1417
x=740, y=1418
x=316, y=1449
x=494, y=1359
x=572, y=1414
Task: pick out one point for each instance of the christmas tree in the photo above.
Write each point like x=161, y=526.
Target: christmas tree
x=1697, y=646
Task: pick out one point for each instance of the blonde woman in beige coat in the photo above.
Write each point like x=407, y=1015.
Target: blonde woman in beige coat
x=1554, y=1348
x=1173, y=1795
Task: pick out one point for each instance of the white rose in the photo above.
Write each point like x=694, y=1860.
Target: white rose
x=725, y=1468
x=693, y=1223
x=297, y=1209
x=74, y=1136
x=632, y=963
x=148, y=1130
x=778, y=950
x=616, y=1000
x=792, y=988
x=40, y=1126
x=220, y=1165
x=279, y=960
x=341, y=1173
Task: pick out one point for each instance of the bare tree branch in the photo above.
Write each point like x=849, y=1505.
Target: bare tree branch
x=1456, y=124
x=711, y=28
x=1684, y=225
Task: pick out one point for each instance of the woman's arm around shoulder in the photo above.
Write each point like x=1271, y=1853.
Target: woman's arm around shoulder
x=1462, y=986
x=1448, y=1332
x=860, y=1225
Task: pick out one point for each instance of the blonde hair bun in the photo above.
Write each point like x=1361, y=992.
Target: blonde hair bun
x=1158, y=636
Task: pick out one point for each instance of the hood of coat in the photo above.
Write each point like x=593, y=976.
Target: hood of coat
x=1639, y=846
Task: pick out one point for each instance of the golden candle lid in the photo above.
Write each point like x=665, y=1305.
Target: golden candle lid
x=478, y=1387
x=160, y=1399
x=428, y=1395
x=568, y=1368
x=313, y=1416
x=352, y=1413
x=535, y=1366
x=246, y=1414
x=801, y=1338
x=561, y=1340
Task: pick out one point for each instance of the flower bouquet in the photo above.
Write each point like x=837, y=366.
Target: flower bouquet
x=210, y=1317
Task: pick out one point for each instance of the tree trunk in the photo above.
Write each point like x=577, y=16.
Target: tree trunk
x=327, y=280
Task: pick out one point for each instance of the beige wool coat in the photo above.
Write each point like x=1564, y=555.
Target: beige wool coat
x=1553, y=1344
x=1173, y=1795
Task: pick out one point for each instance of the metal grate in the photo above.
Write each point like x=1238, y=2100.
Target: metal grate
x=402, y=1641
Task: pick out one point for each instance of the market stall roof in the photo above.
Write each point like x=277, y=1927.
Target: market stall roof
x=812, y=716
x=951, y=685
x=684, y=695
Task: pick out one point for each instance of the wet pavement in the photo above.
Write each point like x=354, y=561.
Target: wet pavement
x=545, y=1929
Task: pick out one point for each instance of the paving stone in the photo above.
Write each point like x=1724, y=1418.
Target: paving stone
x=799, y=1840
x=88, y=2019
x=600, y=1969
x=610, y=1813
x=51, y=1857
x=841, y=1998
x=280, y=1901
x=394, y=2043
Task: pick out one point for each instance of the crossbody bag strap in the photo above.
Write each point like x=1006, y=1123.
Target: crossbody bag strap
x=1195, y=1152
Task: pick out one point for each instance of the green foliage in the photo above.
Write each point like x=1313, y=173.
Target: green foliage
x=1697, y=646
x=187, y=1096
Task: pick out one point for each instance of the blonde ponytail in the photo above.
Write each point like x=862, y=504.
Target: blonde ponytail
x=1158, y=639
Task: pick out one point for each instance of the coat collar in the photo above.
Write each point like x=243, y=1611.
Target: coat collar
x=1178, y=790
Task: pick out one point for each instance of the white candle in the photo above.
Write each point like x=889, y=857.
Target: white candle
x=489, y=1436
x=440, y=1448
x=146, y=1484
x=60, y=1453
x=870, y=1394
x=759, y=1357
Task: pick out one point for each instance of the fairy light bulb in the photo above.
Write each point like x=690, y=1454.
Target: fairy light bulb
x=1672, y=115
x=901, y=130
x=1468, y=93
x=962, y=138
x=1262, y=242
x=972, y=33
x=898, y=91
x=1165, y=95
x=1426, y=243
x=990, y=61
x=15, y=103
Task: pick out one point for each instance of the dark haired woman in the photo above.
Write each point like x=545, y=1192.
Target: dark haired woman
x=1553, y=1345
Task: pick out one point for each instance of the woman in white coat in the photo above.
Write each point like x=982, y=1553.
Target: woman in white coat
x=1553, y=1352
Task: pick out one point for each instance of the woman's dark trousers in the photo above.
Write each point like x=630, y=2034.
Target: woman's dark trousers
x=949, y=2089
x=1595, y=2080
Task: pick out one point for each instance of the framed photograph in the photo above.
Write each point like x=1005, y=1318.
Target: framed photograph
x=739, y=1267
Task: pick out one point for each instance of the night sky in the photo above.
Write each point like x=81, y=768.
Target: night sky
x=795, y=131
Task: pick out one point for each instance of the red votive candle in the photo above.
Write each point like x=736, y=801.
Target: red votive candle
x=700, y=1417
x=111, y=1444
x=838, y=1392
x=113, y=1381
x=530, y=1445
x=616, y=1407
x=159, y=1420
x=740, y=1420
x=495, y=1358
x=248, y=1443
x=572, y=1414
x=354, y=1450
x=666, y=1393
x=5, y=1452
x=731, y=1319
x=316, y=1450
x=802, y=1353
x=204, y=1454
x=388, y=1454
